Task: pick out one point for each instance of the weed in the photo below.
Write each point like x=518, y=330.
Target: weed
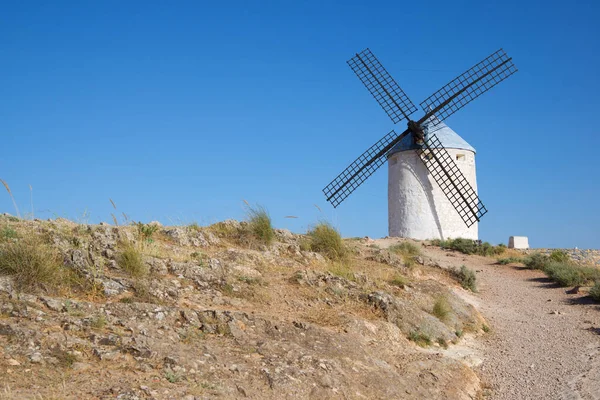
x=559, y=256
x=342, y=269
x=510, y=260
x=31, y=263
x=250, y=280
x=65, y=359
x=259, y=224
x=485, y=328
x=126, y=300
x=399, y=280
x=191, y=335
x=441, y=308
x=11, y=197
x=536, y=261
x=420, y=338
x=442, y=342
x=325, y=239
x=98, y=322
x=130, y=260
x=459, y=333
x=595, y=291
x=405, y=249
x=172, y=376
x=146, y=231
x=468, y=246
x=466, y=277
x=564, y=274
x=8, y=233
x=194, y=227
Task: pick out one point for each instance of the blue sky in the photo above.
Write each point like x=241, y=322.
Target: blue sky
x=180, y=111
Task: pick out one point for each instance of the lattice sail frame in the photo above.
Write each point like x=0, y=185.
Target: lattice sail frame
x=382, y=86
x=451, y=180
x=473, y=83
x=358, y=172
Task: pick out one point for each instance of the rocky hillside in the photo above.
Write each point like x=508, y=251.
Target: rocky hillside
x=150, y=312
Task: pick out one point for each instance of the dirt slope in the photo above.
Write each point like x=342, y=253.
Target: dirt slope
x=544, y=343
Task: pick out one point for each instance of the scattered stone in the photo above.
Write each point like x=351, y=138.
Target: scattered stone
x=36, y=358
x=13, y=362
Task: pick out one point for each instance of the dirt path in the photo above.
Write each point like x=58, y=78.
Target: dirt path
x=544, y=343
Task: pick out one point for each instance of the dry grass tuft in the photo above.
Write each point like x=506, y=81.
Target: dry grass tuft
x=130, y=260
x=32, y=264
x=11, y=196
x=441, y=308
x=259, y=225
x=325, y=239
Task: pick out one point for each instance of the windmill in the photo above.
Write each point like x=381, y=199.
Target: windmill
x=429, y=195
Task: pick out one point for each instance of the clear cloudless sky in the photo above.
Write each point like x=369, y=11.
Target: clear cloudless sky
x=178, y=111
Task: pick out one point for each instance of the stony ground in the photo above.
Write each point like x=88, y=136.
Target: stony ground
x=221, y=317
x=544, y=342
x=218, y=316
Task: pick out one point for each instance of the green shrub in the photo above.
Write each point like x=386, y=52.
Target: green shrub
x=8, y=233
x=595, y=291
x=406, y=249
x=325, y=239
x=259, y=224
x=466, y=277
x=441, y=308
x=399, y=280
x=469, y=246
x=559, y=256
x=420, y=338
x=146, y=231
x=536, y=261
x=510, y=260
x=31, y=263
x=564, y=274
x=130, y=260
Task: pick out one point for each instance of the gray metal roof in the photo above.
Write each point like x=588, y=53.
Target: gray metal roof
x=447, y=136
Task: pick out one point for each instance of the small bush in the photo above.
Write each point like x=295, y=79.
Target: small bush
x=31, y=263
x=8, y=233
x=466, y=278
x=399, y=280
x=595, y=291
x=510, y=260
x=325, y=239
x=564, y=274
x=342, y=270
x=146, y=231
x=259, y=224
x=420, y=338
x=405, y=249
x=469, y=246
x=536, y=261
x=441, y=308
x=559, y=256
x=130, y=260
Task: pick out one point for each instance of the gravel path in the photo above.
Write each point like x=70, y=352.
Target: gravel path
x=544, y=343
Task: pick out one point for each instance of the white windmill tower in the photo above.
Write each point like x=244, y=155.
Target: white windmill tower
x=417, y=206
x=432, y=187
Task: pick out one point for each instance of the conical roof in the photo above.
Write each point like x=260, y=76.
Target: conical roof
x=445, y=134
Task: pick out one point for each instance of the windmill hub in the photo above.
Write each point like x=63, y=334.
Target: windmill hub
x=417, y=132
x=432, y=184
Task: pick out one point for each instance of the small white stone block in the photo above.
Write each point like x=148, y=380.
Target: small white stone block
x=518, y=242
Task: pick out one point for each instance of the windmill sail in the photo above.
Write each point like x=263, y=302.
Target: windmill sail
x=451, y=180
x=382, y=86
x=363, y=167
x=468, y=86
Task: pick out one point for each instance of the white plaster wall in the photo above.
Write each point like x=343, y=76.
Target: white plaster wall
x=417, y=207
x=518, y=242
